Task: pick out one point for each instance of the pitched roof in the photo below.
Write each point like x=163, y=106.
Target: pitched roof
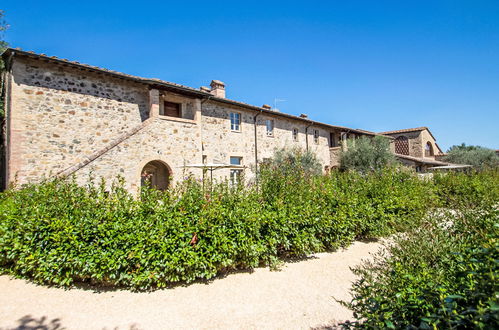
x=422, y=160
x=416, y=129
x=170, y=86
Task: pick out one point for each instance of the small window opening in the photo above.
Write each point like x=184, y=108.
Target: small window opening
x=171, y=109
x=316, y=136
x=235, y=121
x=235, y=173
x=295, y=134
x=270, y=127
x=428, y=151
x=235, y=160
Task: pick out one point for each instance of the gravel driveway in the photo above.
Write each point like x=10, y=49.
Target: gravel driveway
x=299, y=296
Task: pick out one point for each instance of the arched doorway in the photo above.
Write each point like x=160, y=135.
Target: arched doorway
x=428, y=150
x=402, y=145
x=156, y=174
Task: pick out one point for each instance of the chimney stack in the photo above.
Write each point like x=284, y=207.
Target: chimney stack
x=303, y=115
x=266, y=107
x=217, y=88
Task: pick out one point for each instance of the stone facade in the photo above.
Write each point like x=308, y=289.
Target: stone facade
x=421, y=142
x=64, y=118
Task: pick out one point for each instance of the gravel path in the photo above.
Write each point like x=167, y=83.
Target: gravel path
x=299, y=296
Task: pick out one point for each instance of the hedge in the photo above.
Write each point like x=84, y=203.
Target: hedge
x=60, y=233
x=442, y=273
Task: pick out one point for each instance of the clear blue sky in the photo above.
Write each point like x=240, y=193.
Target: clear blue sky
x=377, y=65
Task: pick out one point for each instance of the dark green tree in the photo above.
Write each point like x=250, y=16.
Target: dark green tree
x=477, y=156
x=367, y=154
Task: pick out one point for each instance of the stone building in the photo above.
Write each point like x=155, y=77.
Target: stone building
x=416, y=147
x=64, y=118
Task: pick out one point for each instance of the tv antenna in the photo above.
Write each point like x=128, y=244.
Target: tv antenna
x=276, y=100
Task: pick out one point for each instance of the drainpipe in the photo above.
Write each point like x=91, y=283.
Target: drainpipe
x=5, y=129
x=201, y=135
x=306, y=134
x=256, y=147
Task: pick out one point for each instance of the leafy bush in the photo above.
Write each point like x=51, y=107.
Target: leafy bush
x=477, y=156
x=457, y=189
x=367, y=154
x=442, y=274
x=60, y=233
x=291, y=161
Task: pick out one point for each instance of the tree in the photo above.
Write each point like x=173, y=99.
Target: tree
x=293, y=160
x=477, y=156
x=367, y=154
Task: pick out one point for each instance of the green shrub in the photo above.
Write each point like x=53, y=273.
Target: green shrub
x=440, y=275
x=477, y=156
x=367, y=154
x=60, y=233
x=475, y=189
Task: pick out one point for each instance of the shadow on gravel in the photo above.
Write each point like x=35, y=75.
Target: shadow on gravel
x=29, y=322
x=87, y=285
x=224, y=273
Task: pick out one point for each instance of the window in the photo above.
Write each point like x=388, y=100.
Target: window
x=270, y=127
x=332, y=140
x=171, y=109
x=428, y=150
x=235, y=174
x=235, y=160
x=235, y=121
x=316, y=136
x=295, y=134
x=402, y=145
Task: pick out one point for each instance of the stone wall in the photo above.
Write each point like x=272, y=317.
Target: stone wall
x=415, y=143
x=60, y=115
x=68, y=120
x=425, y=138
x=220, y=142
x=174, y=143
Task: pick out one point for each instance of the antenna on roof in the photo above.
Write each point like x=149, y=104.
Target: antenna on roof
x=275, y=103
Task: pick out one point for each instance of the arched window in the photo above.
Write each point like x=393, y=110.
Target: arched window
x=428, y=150
x=402, y=145
x=155, y=174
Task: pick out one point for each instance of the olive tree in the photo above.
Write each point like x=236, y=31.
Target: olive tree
x=367, y=154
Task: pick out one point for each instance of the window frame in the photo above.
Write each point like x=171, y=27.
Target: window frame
x=236, y=171
x=180, y=109
x=270, y=133
x=235, y=176
x=240, y=160
x=232, y=116
x=316, y=136
x=295, y=134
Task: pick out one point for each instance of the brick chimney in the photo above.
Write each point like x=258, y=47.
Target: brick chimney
x=218, y=88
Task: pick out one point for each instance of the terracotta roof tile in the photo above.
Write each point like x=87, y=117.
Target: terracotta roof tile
x=184, y=88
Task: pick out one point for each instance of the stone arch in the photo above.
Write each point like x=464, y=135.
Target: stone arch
x=402, y=145
x=155, y=173
x=428, y=150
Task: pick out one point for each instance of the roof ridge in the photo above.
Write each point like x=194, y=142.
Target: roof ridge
x=175, y=85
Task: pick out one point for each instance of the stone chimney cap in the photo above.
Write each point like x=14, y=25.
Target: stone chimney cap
x=266, y=107
x=217, y=88
x=303, y=115
x=217, y=82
